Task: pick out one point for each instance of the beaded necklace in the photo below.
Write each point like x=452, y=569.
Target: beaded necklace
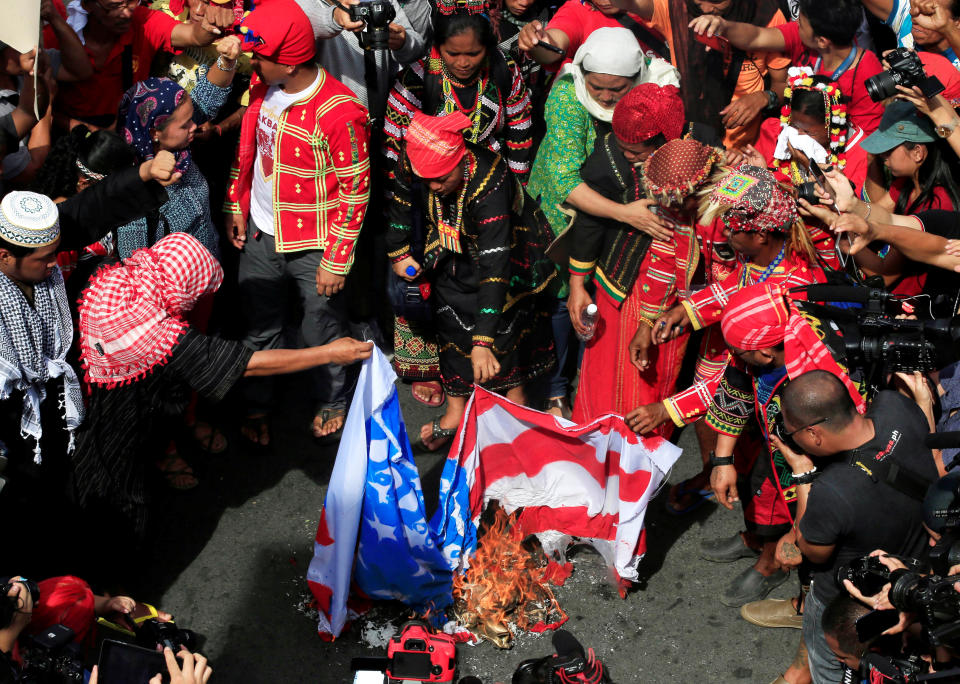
x=451, y=102
x=450, y=230
x=767, y=272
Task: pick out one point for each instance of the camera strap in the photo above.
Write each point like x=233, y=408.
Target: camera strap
x=893, y=474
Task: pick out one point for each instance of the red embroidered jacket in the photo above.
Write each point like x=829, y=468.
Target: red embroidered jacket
x=321, y=171
x=705, y=309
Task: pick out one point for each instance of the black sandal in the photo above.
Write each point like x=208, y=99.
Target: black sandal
x=438, y=434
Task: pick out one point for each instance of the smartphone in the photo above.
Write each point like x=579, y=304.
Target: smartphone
x=821, y=178
x=718, y=43
x=875, y=623
x=123, y=663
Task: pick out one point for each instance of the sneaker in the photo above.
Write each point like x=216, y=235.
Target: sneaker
x=751, y=586
x=772, y=613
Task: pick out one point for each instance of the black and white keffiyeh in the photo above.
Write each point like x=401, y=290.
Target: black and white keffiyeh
x=33, y=345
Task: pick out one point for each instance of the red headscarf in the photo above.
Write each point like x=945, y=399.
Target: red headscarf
x=64, y=601
x=435, y=144
x=131, y=316
x=761, y=316
x=647, y=110
x=279, y=31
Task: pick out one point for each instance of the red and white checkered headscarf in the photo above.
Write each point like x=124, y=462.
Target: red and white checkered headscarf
x=131, y=315
x=761, y=316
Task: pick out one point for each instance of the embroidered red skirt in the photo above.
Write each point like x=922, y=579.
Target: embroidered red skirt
x=609, y=382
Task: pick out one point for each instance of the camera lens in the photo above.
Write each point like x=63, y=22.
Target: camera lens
x=883, y=85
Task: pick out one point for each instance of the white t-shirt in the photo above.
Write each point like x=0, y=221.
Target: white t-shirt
x=275, y=102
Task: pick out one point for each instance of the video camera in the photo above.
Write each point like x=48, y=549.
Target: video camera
x=417, y=654
x=875, y=340
x=377, y=15
x=906, y=69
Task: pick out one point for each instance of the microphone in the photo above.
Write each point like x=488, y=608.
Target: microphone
x=842, y=293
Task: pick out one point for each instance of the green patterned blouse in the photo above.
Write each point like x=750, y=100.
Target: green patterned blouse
x=566, y=146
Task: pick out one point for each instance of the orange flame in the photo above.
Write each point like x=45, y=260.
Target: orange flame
x=505, y=586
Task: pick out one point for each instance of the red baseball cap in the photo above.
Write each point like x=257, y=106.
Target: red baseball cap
x=280, y=31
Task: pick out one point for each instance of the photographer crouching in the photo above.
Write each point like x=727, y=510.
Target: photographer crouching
x=857, y=482
x=913, y=631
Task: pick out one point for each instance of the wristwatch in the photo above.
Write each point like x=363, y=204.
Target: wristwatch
x=720, y=460
x=945, y=130
x=772, y=99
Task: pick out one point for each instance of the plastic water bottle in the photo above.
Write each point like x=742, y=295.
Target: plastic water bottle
x=588, y=318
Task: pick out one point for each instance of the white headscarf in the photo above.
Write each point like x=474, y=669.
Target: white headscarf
x=615, y=51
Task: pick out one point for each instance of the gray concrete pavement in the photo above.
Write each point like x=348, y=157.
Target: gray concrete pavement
x=230, y=561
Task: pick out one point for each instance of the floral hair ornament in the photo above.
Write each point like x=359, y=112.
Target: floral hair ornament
x=835, y=117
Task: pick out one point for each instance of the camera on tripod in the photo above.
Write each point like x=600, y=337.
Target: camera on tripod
x=377, y=15
x=906, y=69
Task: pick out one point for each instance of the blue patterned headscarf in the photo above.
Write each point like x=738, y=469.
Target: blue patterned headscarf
x=145, y=106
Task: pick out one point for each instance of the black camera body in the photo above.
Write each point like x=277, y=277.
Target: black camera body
x=9, y=605
x=808, y=191
x=51, y=657
x=867, y=574
x=152, y=633
x=906, y=69
x=377, y=15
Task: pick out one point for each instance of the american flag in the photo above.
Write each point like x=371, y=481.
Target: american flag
x=575, y=483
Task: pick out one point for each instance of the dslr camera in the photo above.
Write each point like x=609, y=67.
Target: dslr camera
x=51, y=657
x=416, y=654
x=906, y=69
x=569, y=665
x=377, y=15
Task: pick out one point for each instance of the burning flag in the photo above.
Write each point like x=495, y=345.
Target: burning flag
x=574, y=483
x=374, y=513
x=588, y=483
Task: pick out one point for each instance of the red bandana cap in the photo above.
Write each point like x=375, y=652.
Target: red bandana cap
x=647, y=110
x=279, y=31
x=752, y=201
x=435, y=144
x=760, y=316
x=131, y=315
x=674, y=170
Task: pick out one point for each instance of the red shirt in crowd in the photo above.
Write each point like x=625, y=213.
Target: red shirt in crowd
x=938, y=200
x=578, y=20
x=943, y=69
x=99, y=95
x=862, y=111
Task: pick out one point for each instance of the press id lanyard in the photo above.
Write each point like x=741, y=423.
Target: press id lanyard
x=840, y=69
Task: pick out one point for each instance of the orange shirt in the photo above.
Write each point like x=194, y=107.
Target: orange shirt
x=754, y=69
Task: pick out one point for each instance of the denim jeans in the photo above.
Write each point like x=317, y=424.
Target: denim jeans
x=824, y=666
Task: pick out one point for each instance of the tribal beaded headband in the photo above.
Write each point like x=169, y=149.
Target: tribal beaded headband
x=835, y=116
